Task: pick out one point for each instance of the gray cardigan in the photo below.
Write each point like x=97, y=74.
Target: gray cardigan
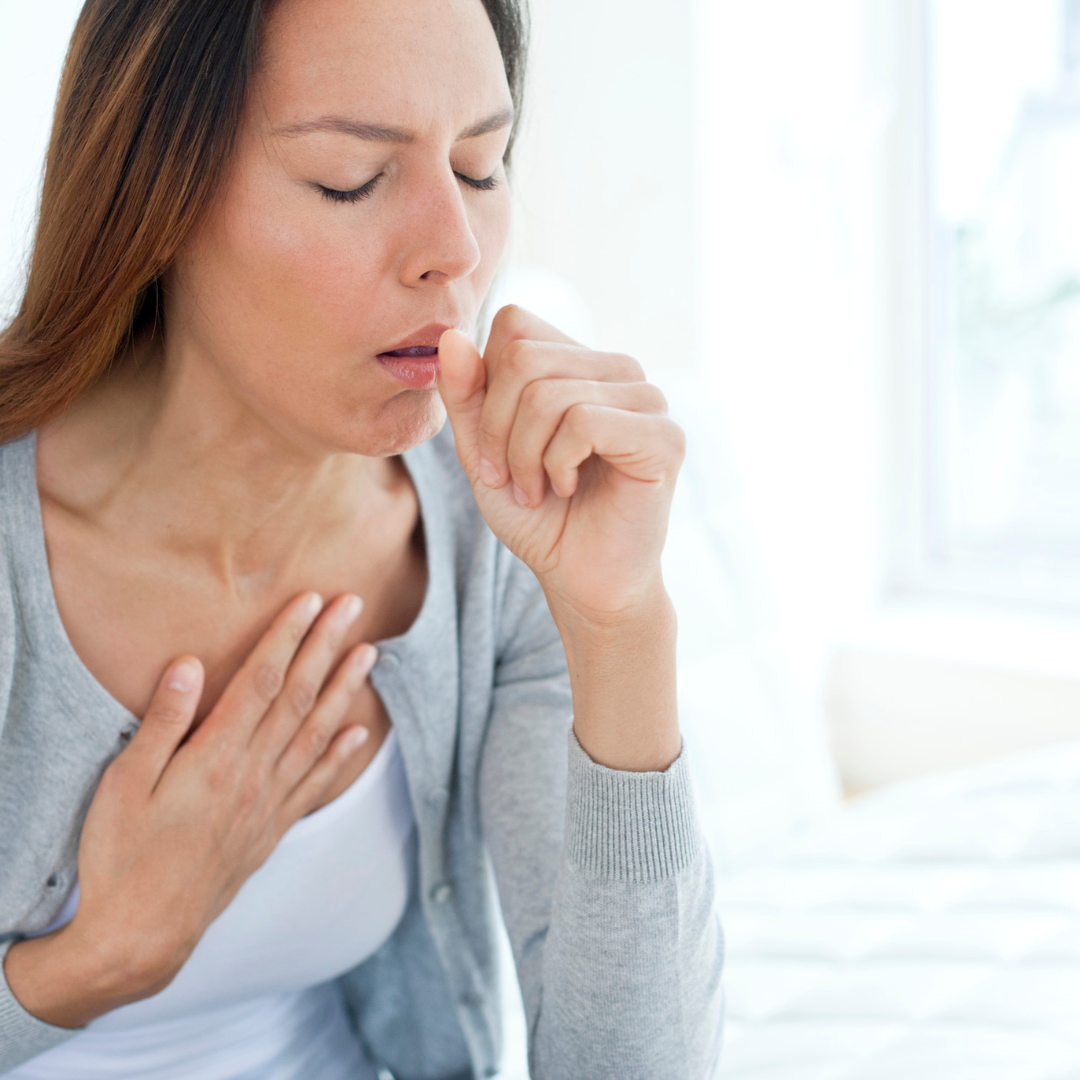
x=602, y=876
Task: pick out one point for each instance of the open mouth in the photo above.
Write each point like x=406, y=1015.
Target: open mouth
x=416, y=367
x=413, y=352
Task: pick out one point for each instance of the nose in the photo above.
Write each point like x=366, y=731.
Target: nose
x=440, y=245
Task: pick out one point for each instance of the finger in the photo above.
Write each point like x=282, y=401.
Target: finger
x=462, y=385
x=513, y=323
x=541, y=409
x=305, y=677
x=307, y=794
x=642, y=446
x=522, y=363
x=255, y=687
x=310, y=742
x=167, y=720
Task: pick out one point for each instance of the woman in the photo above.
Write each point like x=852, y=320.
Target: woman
x=263, y=230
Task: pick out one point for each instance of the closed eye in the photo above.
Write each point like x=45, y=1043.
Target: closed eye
x=355, y=195
x=487, y=184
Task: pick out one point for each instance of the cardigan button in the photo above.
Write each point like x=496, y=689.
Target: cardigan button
x=441, y=892
x=388, y=660
x=471, y=999
x=437, y=796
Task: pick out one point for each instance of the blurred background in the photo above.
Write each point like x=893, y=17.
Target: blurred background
x=844, y=237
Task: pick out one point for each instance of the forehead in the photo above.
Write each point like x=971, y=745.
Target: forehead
x=415, y=63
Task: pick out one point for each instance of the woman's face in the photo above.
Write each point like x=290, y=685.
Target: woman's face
x=365, y=211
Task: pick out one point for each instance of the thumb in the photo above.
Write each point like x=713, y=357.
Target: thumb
x=463, y=386
x=169, y=717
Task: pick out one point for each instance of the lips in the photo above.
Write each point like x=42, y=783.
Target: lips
x=414, y=361
x=422, y=343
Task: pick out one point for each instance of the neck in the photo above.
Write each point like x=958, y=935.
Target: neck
x=166, y=453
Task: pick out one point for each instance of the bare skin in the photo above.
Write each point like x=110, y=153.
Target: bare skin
x=252, y=456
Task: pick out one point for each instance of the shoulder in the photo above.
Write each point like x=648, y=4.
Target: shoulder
x=15, y=533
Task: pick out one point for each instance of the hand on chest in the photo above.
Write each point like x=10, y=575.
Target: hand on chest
x=129, y=613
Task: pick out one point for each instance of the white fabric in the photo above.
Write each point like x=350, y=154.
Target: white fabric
x=255, y=999
x=932, y=931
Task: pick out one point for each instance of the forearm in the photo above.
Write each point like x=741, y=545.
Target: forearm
x=622, y=676
x=605, y=881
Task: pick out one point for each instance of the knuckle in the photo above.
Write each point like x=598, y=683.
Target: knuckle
x=579, y=416
x=655, y=397
x=317, y=740
x=540, y=395
x=218, y=778
x=302, y=695
x=248, y=795
x=518, y=354
x=168, y=714
x=629, y=368
x=508, y=315
x=268, y=681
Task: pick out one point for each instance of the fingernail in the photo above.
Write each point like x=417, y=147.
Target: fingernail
x=488, y=473
x=313, y=605
x=362, y=663
x=350, y=609
x=520, y=497
x=183, y=676
x=355, y=738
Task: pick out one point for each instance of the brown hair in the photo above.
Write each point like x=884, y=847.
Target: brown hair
x=149, y=107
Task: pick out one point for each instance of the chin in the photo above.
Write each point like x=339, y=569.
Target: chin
x=405, y=421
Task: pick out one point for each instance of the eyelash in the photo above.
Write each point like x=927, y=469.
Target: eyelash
x=488, y=183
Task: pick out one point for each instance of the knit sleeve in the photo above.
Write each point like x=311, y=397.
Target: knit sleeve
x=605, y=882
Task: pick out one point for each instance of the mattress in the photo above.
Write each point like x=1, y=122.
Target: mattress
x=928, y=931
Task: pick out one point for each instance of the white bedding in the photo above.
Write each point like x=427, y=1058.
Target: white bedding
x=930, y=931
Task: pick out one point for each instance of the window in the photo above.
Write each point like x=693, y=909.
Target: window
x=1000, y=133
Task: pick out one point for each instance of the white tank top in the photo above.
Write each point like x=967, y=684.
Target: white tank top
x=255, y=1000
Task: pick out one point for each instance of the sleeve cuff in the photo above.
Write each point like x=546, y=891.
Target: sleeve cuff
x=629, y=826
x=23, y=1035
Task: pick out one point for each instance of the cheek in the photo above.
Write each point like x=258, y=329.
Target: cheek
x=311, y=273
x=491, y=229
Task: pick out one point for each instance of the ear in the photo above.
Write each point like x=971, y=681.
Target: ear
x=463, y=387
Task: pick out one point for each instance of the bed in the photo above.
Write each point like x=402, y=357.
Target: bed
x=930, y=930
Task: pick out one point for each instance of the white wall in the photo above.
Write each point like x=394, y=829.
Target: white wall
x=33, y=39
x=794, y=113
x=607, y=174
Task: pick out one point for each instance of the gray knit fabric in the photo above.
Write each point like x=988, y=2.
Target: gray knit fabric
x=602, y=877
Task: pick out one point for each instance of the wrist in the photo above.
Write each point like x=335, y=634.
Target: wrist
x=67, y=979
x=649, y=606
x=622, y=677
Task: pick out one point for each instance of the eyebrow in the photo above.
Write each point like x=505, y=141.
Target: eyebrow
x=378, y=133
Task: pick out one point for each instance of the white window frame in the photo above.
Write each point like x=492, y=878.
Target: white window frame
x=913, y=304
